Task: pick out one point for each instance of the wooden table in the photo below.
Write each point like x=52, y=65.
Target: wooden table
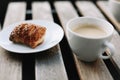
x=58, y=62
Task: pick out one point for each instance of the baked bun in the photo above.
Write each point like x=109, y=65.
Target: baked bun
x=28, y=34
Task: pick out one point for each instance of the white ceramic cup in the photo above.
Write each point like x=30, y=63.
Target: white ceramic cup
x=89, y=48
x=114, y=7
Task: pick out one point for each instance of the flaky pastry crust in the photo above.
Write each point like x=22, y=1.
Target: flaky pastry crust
x=28, y=34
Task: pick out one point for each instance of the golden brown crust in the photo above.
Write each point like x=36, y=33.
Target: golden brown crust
x=28, y=34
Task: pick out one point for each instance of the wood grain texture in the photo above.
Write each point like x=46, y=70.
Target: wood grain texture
x=88, y=8
x=10, y=63
x=116, y=38
x=15, y=12
x=103, y=5
x=92, y=71
x=41, y=8
x=63, y=8
x=49, y=64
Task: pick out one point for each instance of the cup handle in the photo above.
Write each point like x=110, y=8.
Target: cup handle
x=111, y=49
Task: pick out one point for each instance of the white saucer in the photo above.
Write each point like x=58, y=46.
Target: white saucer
x=54, y=35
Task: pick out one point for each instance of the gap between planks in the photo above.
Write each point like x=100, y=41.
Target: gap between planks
x=104, y=6
x=98, y=71
x=116, y=38
x=49, y=64
x=11, y=64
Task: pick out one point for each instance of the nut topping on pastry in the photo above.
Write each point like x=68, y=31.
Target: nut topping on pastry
x=28, y=34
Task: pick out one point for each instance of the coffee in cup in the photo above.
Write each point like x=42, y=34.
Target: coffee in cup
x=89, y=37
x=89, y=30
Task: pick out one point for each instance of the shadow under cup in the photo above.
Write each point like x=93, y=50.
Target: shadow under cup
x=89, y=48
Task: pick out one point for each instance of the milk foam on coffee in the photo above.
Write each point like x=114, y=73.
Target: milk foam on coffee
x=88, y=30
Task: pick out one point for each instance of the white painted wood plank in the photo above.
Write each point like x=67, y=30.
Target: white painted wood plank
x=116, y=39
x=87, y=8
x=15, y=12
x=105, y=8
x=41, y=8
x=92, y=71
x=11, y=64
x=63, y=8
x=49, y=64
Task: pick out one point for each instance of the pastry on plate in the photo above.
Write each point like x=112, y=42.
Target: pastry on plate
x=29, y=34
